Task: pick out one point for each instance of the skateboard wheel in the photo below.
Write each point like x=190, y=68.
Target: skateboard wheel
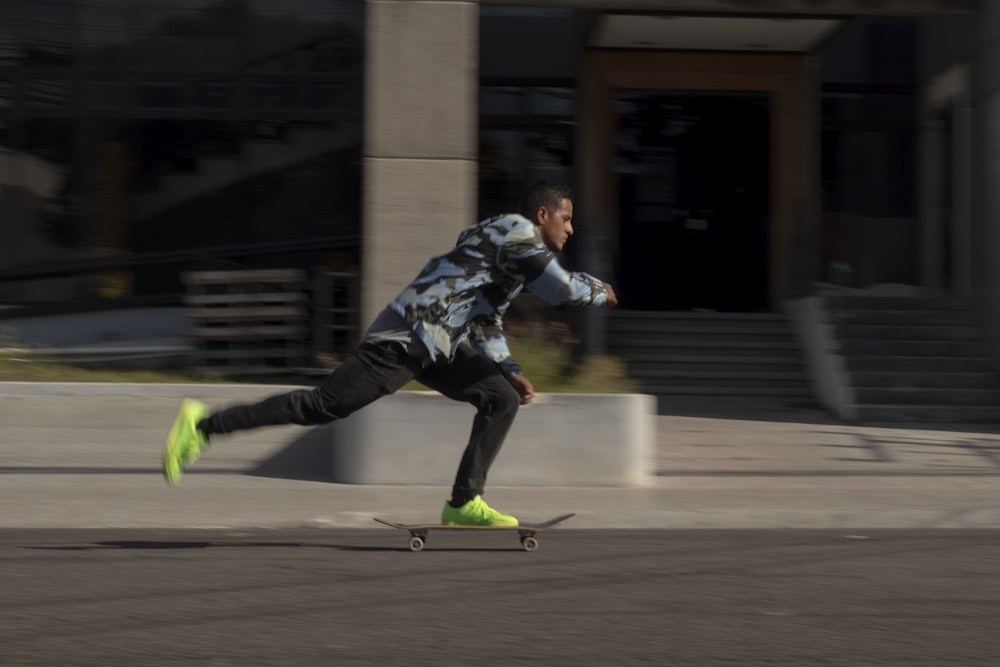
x=416, y=543
x=529, y=543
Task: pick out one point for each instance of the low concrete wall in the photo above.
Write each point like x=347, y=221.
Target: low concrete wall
x=559, y=440
x=406, y=438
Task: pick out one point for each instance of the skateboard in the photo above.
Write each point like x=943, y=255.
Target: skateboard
x=526, y=531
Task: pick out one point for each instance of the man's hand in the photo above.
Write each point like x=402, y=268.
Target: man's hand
x=524, y=388
x=612, y=299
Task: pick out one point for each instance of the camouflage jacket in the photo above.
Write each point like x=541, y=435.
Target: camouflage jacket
x=464, y=294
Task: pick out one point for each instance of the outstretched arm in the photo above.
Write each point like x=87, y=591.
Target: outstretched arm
x=538, y=269
x=559, y=286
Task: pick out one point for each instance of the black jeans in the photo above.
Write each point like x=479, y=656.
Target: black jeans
x=377, y=369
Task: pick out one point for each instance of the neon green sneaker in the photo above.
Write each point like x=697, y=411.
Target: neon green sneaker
x=185, y=442
x=475, y=513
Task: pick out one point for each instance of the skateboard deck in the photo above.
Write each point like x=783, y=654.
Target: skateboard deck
x=526, y=531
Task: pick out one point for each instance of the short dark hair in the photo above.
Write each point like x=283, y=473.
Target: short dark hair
x=546, y=194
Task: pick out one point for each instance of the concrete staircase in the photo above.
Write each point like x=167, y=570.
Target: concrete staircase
x=912, y=359
x=742, y=356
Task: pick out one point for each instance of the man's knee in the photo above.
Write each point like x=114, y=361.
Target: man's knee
x=504, y=399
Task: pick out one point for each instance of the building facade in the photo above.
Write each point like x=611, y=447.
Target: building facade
x=155, y=137
x=727, y=155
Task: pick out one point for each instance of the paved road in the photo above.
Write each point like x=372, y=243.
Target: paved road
x=357, y=597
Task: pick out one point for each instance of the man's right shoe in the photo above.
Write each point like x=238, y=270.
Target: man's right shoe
x=475, y=513
x=185, y=442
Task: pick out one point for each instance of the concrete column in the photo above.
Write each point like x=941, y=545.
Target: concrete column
x=420, y=144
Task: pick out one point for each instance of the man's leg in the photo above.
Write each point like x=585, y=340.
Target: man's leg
x=372, y=371
x=473, y=379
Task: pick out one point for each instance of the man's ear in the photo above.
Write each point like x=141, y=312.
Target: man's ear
x=541, y=215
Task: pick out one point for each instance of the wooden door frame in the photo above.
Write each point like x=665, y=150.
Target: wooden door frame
x=784, y=78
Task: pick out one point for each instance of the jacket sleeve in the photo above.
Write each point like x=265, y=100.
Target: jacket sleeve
x=531, y=263
x=488, y=339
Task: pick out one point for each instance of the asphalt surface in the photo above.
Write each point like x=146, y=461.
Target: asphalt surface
x=818, y=543
x=359, y=597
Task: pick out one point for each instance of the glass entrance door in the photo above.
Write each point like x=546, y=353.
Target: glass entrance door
x=694, y=181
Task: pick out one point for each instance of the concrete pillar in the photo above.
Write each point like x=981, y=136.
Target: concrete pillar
x=420, y=143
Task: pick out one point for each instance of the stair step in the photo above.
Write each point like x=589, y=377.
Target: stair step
x=722, y=377
x=909, y=333
x=754, y=391
x=706, y=350
x=691, y=315
x=714, y=328
x=727, y=368
x=900, y=303
x=904, y=317
x=915, y=359
x=927, y=396
x=916, y=414
x=743, y=356
x=891, y=380
x=904, y=348
x=715, y=359
x=866, y=363
x=633, y=321
x=624, y=344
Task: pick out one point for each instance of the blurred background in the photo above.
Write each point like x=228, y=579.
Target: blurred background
x=240, y=185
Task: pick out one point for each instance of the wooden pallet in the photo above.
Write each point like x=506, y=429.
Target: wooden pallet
x=336, y=326
x=247, y=322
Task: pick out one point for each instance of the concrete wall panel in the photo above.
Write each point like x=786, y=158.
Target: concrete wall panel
x=422, y=79
x=413, y=209
x=420, y=138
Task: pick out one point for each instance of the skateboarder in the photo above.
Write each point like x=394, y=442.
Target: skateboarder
x=444, y=330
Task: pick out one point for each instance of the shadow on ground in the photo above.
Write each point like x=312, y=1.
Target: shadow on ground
x=308, y=458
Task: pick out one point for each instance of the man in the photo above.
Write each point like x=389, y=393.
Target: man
x=444, y=330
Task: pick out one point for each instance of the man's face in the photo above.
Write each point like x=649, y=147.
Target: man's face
x=556, y=225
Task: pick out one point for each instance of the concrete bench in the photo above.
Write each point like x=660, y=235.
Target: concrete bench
x=416, y=437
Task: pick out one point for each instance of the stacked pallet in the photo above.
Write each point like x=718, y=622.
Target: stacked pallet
x=247, y=322
x=335, y=305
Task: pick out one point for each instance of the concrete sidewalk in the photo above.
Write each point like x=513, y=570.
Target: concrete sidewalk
x=91, y=459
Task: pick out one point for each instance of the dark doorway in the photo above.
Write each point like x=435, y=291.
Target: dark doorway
x=694, y=182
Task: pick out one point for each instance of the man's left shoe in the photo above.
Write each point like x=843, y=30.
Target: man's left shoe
x=475, y=513
x=185, y=441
